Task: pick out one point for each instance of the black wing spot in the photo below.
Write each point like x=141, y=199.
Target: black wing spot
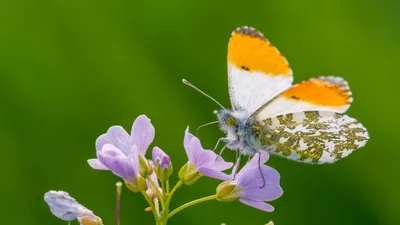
x=245, y=68
x=295, y=97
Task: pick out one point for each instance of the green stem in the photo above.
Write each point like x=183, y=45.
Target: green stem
x=167, y=184
x=184, y=206
x=177, y=185
x=163, y=189
x=153, y=209
x=168, y=196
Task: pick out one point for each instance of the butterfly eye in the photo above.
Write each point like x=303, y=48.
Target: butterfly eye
x=231, y=121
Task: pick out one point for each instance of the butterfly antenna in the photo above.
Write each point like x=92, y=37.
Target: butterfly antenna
x=202, y=92
x=204, y=125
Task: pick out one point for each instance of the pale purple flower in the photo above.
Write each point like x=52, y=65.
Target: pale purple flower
x=119, y=152
x=254, y=184
x=63, y=206
x=205, y=161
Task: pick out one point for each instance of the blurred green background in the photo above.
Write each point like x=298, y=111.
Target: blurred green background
x=71, y=69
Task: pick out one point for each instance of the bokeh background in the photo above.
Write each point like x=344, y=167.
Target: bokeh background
x=71, y=69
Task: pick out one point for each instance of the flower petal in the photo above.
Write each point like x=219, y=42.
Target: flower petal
x=267, y=193
x=120, y=164
x=97, y=165
x=165, y=162
x=206, y=161
x=199, y=156
x=186, y=142
x=142, y=133
x=64, y=206
x=258, y=205
x=254, y=187
x=133, y=158
x=214, y=173
x=117, y=136
x=154, y=178
x=219, y=163
x=150, y=191
x=255, y=162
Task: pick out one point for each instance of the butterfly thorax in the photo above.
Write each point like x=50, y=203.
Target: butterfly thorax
x=241, y=131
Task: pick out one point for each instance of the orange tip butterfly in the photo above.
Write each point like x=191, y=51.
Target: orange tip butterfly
x=303, y=122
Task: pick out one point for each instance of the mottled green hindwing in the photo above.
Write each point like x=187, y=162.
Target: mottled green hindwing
x=312, y=137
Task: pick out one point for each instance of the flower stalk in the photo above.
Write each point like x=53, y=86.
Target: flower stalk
x=118, y=203
x=194, y=202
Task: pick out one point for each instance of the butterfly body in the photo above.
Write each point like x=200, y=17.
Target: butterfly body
x=239, y=131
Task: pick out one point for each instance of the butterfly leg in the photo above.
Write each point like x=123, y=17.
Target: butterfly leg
x=216, y=145
x=220, y=152
x=259, y=168
x=223, y=148
x=248, y=159
x=237, y=164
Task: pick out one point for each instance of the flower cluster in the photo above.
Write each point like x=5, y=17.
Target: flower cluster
x=125, y=155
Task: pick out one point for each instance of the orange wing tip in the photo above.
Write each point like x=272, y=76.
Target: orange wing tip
x=250, y=51
x=250, y=31
x=323, y=91
x=341, y=82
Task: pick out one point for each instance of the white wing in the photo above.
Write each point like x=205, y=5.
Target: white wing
x=257, y=72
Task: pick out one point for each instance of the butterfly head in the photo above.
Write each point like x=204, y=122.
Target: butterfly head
x=233, y=121
x=238, y=128
x=227, y=119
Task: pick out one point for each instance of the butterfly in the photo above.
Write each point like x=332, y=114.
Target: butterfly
x=304, y=122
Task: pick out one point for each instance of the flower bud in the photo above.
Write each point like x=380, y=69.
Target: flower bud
x=227, y=192
x=153, y=188
x=189, y=174
x=90, y=221
x=138, y=184
x=163, y=169
x=163, y=165
x=145, y=167
x=151, y=193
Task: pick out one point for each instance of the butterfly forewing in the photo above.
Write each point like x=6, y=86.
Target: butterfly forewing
x=312, y=137
x=257, y=72
x=328, y=93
